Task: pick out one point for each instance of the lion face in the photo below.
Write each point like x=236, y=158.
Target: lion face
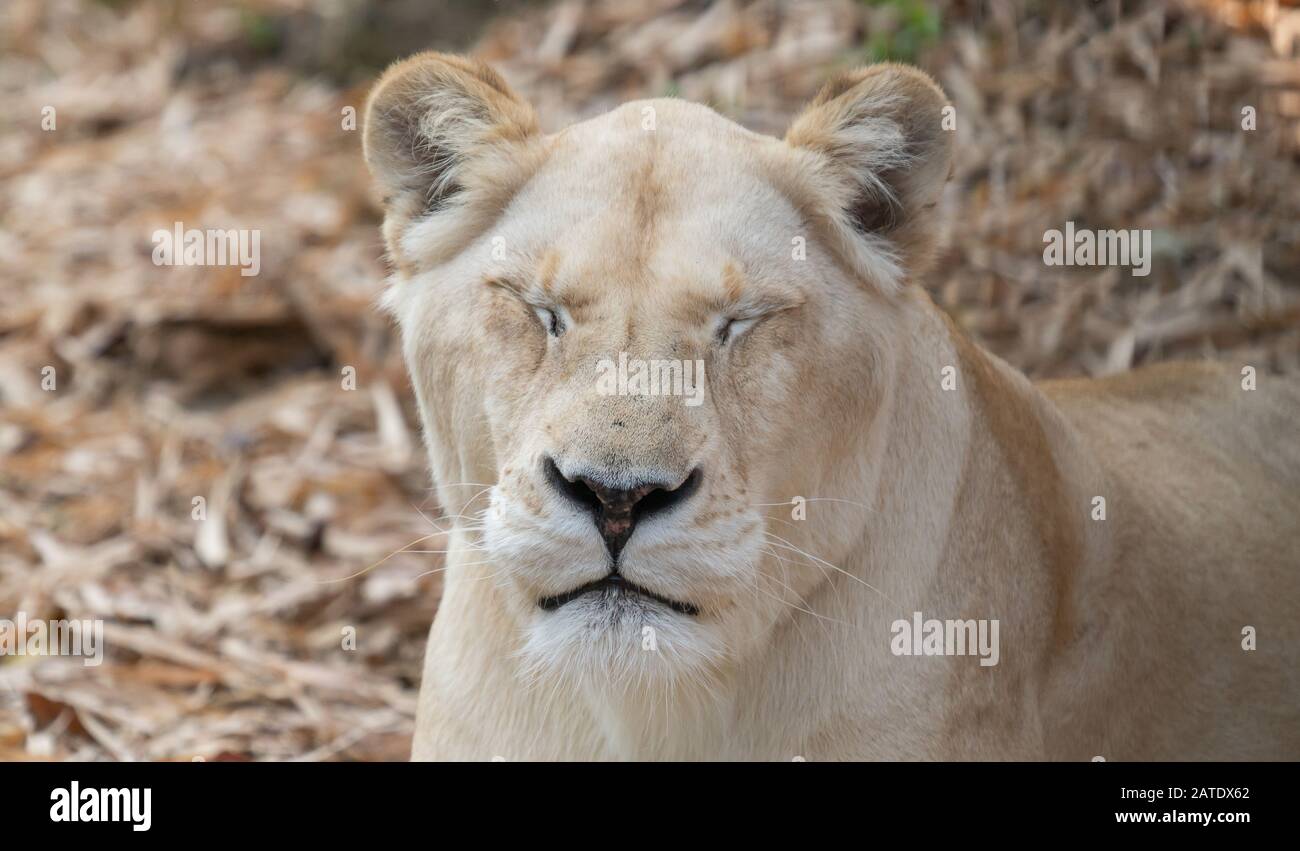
x=635, y=341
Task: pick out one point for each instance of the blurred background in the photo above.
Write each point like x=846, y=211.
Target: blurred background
x=283, y=614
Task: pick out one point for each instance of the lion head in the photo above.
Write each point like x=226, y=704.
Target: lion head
x=635, y=342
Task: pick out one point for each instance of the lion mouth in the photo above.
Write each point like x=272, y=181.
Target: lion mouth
x=614, y=585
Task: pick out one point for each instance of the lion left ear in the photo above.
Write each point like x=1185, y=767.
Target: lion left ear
x=883, y=155
x=433, y=123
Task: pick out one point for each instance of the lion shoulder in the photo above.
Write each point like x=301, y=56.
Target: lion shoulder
x=1203, y=427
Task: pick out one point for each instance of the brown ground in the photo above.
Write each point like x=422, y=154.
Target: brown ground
x=226, y=636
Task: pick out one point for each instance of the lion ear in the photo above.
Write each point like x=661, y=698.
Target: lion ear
x=883, y=153
x=427, y=119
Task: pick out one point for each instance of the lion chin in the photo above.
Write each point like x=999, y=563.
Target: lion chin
x=725, y=484
x=620, y=644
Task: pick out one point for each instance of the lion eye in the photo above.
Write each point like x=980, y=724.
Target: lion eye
x=733, y=328
x=550, y=320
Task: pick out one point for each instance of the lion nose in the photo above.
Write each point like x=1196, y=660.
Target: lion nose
x=618, y=510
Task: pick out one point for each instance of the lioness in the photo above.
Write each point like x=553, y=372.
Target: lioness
x=631, y=576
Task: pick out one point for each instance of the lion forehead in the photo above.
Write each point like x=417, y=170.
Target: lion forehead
x=656, y=190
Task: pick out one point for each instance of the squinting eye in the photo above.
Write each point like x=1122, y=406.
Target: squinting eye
x=550, y=321
x=733, y=328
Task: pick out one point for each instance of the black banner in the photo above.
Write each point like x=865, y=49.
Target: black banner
x=208, y=801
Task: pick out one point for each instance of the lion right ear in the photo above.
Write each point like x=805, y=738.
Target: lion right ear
x=882, y=159
x=429, y=121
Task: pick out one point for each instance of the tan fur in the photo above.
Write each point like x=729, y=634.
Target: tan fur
x=645, y=230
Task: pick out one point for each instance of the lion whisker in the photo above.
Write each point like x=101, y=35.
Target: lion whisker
x=787, y=545
x=812, y=499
